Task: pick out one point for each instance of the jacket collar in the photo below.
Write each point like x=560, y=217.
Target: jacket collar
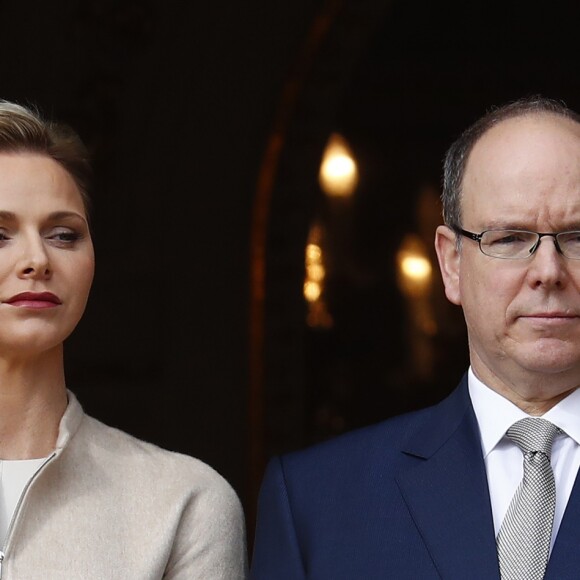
x=70, y=421
x=446, y=489
x=433, y=430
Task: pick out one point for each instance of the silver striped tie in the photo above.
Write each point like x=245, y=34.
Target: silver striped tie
x=523, y=542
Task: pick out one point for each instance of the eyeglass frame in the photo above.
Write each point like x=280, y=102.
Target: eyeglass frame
x=477, y=238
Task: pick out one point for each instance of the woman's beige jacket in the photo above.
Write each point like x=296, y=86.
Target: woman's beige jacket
x=106, y=506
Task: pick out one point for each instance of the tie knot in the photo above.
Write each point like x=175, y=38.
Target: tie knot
x=533, y=434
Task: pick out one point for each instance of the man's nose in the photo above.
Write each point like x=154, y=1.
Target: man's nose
x=554, y=239
x=548, y=266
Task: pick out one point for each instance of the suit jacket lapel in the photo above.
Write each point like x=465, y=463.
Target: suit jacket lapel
x=446, y=490
x=565, y=558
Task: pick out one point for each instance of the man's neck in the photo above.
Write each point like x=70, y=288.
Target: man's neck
x=533, y=394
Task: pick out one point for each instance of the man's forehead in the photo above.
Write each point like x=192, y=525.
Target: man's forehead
x=524, y=137
x=525, y=171
x=533, y=125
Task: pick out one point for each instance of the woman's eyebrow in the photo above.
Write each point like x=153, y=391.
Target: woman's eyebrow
x=57, y=215
x=7, y=216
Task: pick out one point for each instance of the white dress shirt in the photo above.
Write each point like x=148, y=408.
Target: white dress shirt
x=503, y=458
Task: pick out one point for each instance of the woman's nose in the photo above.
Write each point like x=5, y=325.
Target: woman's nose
x=34, y=262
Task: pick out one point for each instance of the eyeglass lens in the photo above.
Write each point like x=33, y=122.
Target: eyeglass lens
x=521, y=244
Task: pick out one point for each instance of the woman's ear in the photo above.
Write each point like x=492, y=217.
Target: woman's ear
x=449, y=258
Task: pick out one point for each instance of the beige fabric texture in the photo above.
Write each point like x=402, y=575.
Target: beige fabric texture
x=108, y=506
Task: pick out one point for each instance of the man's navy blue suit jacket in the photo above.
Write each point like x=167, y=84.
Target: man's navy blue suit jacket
x=404, y=499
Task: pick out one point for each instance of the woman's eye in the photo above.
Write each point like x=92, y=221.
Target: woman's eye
x=65, y=237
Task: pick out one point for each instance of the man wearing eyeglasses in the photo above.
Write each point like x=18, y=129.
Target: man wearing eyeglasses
x=481, y=486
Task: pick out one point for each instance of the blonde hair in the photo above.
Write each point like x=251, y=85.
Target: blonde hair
x=23, y=129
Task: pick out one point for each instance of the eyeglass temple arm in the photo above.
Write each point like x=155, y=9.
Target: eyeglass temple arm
x=471, y=235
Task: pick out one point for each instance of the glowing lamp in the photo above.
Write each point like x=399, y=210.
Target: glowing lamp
x=312, y=291
x=338, y=174
x=415, y=271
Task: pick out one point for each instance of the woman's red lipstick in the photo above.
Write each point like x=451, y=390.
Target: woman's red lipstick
x=34, y=300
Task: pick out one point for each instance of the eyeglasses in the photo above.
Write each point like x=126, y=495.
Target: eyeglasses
x=521, y=244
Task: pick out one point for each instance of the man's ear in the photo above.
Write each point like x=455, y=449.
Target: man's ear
x=449, y=259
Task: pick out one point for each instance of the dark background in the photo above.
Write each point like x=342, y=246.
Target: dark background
x=207, y=122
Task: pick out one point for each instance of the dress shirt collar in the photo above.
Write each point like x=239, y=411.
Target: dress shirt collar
x=495, y=414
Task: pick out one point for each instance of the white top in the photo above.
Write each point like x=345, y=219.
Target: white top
x=14, y=475
x=503, y=458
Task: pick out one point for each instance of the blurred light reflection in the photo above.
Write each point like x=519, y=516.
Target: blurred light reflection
x=315, y=273
x=338, y=175
x=414, y=268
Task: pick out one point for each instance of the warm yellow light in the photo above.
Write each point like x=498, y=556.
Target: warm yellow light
x=312, y=291
x=338, y=171
x=339, y=166
x=313, y=254
x=417, y=268
x=315, y=272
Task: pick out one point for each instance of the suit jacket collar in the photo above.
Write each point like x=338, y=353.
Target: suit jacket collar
x=445, y=489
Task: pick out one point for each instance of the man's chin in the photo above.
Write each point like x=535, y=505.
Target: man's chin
x=551, y=362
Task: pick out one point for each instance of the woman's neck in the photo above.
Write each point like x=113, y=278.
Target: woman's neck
x=33, y=400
